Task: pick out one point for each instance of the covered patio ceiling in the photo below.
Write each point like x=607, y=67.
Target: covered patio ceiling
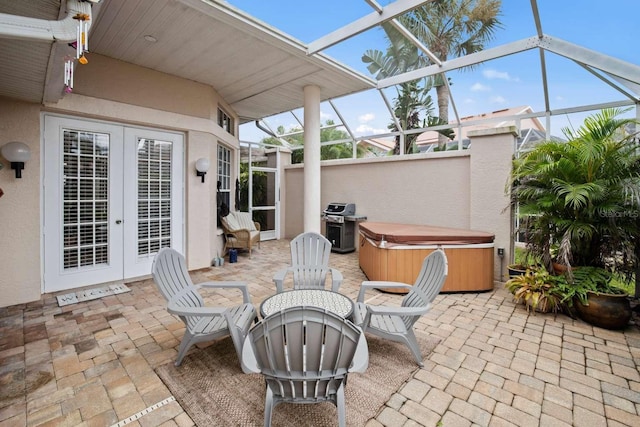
x=259, y=70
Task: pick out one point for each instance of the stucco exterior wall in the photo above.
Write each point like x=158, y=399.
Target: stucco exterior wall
x=201, y=214
x=420, y=189
x=451, y=189
x=492, y=153
x=114, y=80
x=124, y=94
x=20, y=207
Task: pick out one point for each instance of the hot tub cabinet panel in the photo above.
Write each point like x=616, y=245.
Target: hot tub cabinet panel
x=470, y=264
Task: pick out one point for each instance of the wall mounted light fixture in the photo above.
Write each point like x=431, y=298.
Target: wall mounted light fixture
x=202, y=167
x=17, y=153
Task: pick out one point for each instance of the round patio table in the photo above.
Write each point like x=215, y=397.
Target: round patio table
x=332, y=301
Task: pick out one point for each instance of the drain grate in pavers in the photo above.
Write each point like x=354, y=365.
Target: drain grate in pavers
x=144, y=412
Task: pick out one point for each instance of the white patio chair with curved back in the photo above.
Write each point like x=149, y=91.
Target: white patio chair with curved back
x=305, y=355
x=396, y=323
x=203, y=323
x=309, y=264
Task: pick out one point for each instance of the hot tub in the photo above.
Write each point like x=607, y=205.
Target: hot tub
x=394, y=252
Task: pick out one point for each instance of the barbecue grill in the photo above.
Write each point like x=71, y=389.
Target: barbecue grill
x=340, y=219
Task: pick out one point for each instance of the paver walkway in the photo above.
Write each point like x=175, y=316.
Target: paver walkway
x=92, y=363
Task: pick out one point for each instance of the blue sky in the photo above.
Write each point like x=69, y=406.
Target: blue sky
x=606, y=27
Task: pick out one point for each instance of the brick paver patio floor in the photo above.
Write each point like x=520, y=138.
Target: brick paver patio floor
x=92, y=363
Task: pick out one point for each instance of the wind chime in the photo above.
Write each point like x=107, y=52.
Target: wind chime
x=81, y=45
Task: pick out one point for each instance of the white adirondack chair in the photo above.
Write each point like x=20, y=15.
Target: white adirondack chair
x=305, y=355
x=203, y=323
x=396, y=323
x=309, y=264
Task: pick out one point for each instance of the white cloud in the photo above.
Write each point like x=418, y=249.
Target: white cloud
x=325, y=116
x=559, y=98
x=502, y=75
x=497, y=100
x=468, y=101
x=366, y=117
x=479, y=87
x=364, y=129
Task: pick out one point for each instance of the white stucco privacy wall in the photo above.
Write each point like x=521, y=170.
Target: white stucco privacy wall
x=489, y=209
x=459, y=189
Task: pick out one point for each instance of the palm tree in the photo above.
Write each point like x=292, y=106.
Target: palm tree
x=453, y=28
x=327, y=152
x=583, y=196
x=412, y=97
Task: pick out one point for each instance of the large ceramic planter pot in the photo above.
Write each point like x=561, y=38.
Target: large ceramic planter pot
x=607, y=311
x=516, y=269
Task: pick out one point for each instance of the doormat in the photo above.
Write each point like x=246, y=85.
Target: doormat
x=90, y=294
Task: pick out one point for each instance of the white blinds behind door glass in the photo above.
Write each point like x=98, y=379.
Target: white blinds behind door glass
x=86, y=201
x=154, y=195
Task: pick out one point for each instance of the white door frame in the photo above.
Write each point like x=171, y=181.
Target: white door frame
x=122, y=192
x=275, y=233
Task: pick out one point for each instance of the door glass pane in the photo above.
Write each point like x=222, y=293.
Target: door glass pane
x=85, y=199
x=264, y=189
x=266, y=219
x=154, y=195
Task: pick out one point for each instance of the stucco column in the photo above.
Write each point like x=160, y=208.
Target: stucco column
x=490, y=165
x=312, y=208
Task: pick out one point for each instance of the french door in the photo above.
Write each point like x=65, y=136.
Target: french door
x=113, y=196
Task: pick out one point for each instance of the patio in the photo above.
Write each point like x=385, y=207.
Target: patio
x=495, y=364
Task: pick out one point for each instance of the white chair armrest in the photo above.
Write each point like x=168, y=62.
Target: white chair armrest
x=278, y=279
x=243, y=286
x=380, y=285
x=173, y=308
x=397, y=311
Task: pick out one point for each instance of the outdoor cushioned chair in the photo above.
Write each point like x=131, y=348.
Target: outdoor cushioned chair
x=396, y=323
x=240, y=231
x=305, y=355
x=202, y=323
x=309, y=264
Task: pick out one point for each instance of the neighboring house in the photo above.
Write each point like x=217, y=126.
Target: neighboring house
x=111, y=177
x=377, y=146
x=531, y=130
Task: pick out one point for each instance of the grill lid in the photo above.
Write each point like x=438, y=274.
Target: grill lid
x=343, y=209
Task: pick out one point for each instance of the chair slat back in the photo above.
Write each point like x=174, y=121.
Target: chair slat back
x=170, y=273
x=310, y=260
x=304, y=352
x=428, y=284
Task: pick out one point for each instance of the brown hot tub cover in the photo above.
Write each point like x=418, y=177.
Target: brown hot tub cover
x=411, y=234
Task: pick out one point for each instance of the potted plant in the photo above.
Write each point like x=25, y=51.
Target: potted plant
x=516, y=269
x=589, y=293
x=536, y=290
x=523, y=260
x=582, y=197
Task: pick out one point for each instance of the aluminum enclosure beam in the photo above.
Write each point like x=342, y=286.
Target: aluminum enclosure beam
x=461, y=62
x=608, y=64
x=365, y=23
x=609, y=82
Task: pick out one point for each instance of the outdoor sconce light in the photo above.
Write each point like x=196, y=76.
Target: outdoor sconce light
x=17, y=153
x=202, y=166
